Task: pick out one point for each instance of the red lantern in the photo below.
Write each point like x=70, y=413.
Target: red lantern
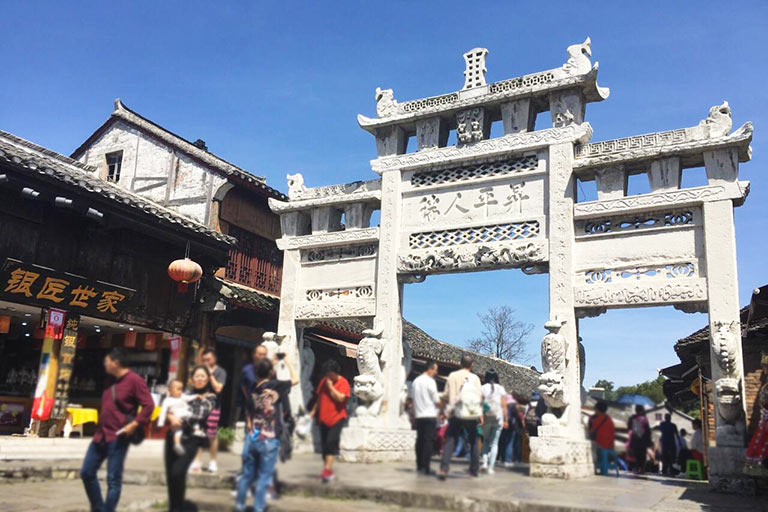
x=185, y=271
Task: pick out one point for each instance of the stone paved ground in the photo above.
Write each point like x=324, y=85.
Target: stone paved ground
x=374, y=488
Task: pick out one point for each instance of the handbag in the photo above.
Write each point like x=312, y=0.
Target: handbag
x=138, y=435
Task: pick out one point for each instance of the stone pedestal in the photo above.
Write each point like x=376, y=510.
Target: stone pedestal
x=377, y=444
x=726, y=471
x=561, y=457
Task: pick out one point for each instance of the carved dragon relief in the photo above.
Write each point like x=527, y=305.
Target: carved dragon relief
x=472, y=257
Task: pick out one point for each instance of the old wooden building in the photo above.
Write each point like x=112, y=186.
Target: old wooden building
x=83, y=268
x=240, y=299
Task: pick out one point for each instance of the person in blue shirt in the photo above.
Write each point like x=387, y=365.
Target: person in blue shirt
x=669, y=440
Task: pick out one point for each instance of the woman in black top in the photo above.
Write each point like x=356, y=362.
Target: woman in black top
x=201, y=401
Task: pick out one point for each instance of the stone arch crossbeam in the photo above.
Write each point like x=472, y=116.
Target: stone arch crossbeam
x=509, y=202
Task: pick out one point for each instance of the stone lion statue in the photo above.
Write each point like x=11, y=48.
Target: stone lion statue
x=729, y=399
x=370, y=393
x=579, y=58
x=386, y=104
x=718, y=123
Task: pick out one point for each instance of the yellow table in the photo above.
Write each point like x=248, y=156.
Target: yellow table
x=76, y=417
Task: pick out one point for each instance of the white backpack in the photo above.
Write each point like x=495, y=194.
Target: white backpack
x=470, y=403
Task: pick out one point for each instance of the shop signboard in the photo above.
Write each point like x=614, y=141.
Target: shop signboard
x=66, y=363
x=32, y=284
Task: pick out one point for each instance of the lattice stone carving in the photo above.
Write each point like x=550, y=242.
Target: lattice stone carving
x=424, y=103
x=650, y=220
x=474, y=74
x=522, y=81
x=471, y=172
x=339, y=253
x=358, y=292
x=475, y=235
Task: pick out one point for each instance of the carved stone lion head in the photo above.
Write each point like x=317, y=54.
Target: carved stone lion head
x=368, y=388
x=552, y=390
x=728, y=399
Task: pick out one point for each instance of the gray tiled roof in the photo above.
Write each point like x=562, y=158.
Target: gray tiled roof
x=123, y=113
x=37, y=159
x=237, y=293
x=517, y=379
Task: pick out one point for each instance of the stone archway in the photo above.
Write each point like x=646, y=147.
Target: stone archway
x=509, y=202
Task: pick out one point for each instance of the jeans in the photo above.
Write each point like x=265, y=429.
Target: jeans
x=425, y=440
x=259, y=462
x=115, y=453
x=512, y=451
x=491, y=433
x=455, y=428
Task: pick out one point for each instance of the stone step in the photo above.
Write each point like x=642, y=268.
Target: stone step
x=58, y=448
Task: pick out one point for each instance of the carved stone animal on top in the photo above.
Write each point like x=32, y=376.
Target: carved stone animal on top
x=727, y=387
x=718, y=123
x=579, y=56
x=295, y=185
x=386, y=104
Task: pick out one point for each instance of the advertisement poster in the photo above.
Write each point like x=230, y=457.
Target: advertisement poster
x=66, y=363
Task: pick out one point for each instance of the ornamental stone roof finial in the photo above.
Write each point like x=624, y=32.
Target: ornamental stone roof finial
x=474, y=74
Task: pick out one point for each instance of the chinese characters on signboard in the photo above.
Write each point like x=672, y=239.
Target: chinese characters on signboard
x=66, y=363
x=22, y=282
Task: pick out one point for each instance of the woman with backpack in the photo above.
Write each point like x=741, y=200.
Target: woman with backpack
x=494, y=418
x=639, y=438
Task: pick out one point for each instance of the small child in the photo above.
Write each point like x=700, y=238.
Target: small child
x=176, y=404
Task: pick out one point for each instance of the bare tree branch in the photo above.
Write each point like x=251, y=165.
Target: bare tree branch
x=503, y=336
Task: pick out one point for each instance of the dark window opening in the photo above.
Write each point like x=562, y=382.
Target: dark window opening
x=255, y=262
x=114, y=165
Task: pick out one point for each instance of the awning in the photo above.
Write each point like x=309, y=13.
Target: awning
x=346, y=348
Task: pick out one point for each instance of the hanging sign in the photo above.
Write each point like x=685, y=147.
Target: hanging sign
x=32, y=284
x=173, y=365
x=130, y=339
x=66, y=363
x=150, y=341
x=54, y=328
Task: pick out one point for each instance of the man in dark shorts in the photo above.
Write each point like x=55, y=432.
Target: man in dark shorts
x=330, y=410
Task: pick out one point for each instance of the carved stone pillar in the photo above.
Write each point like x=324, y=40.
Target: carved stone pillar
x=325, y=219
x=391, y=140
x=722, y=165
x=472, y=125
x=286, y=326
x=567, y=107
x=388, y=436
x=518, y=116
x=561, y=450
x=357, y=216
x=611, y=183
x=726, y=459
x=431, y=133
x=295, y=223
x=665, y=174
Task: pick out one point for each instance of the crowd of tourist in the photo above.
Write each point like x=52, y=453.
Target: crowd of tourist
x=473, y=419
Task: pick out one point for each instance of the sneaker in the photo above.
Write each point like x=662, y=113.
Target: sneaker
x=195, y=468
x=178, y=449
x=491, y=471
x=327, y=476
x=213, y=467
x=441, y=476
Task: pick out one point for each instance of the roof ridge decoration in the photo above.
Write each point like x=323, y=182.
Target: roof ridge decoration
x=47, y=162
x=710, y=132
x=577, y=70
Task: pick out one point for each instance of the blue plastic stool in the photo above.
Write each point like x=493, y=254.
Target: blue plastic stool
x=607, y=461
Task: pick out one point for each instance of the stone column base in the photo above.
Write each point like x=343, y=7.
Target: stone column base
x=561, y=457
x=726, y=471
x=377, y=444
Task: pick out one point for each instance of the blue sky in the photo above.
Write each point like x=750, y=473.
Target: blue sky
x=275, y=87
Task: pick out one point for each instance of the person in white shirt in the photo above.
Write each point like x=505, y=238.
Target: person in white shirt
x=463, y=400
x=495, y=418
x=425, y=399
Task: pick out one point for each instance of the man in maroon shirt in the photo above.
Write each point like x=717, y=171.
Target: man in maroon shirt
x=124, y=392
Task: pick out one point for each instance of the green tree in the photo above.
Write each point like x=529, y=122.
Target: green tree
x=607, y=385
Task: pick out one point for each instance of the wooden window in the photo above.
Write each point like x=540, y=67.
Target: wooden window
x=114, y=165
x=255, y=262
